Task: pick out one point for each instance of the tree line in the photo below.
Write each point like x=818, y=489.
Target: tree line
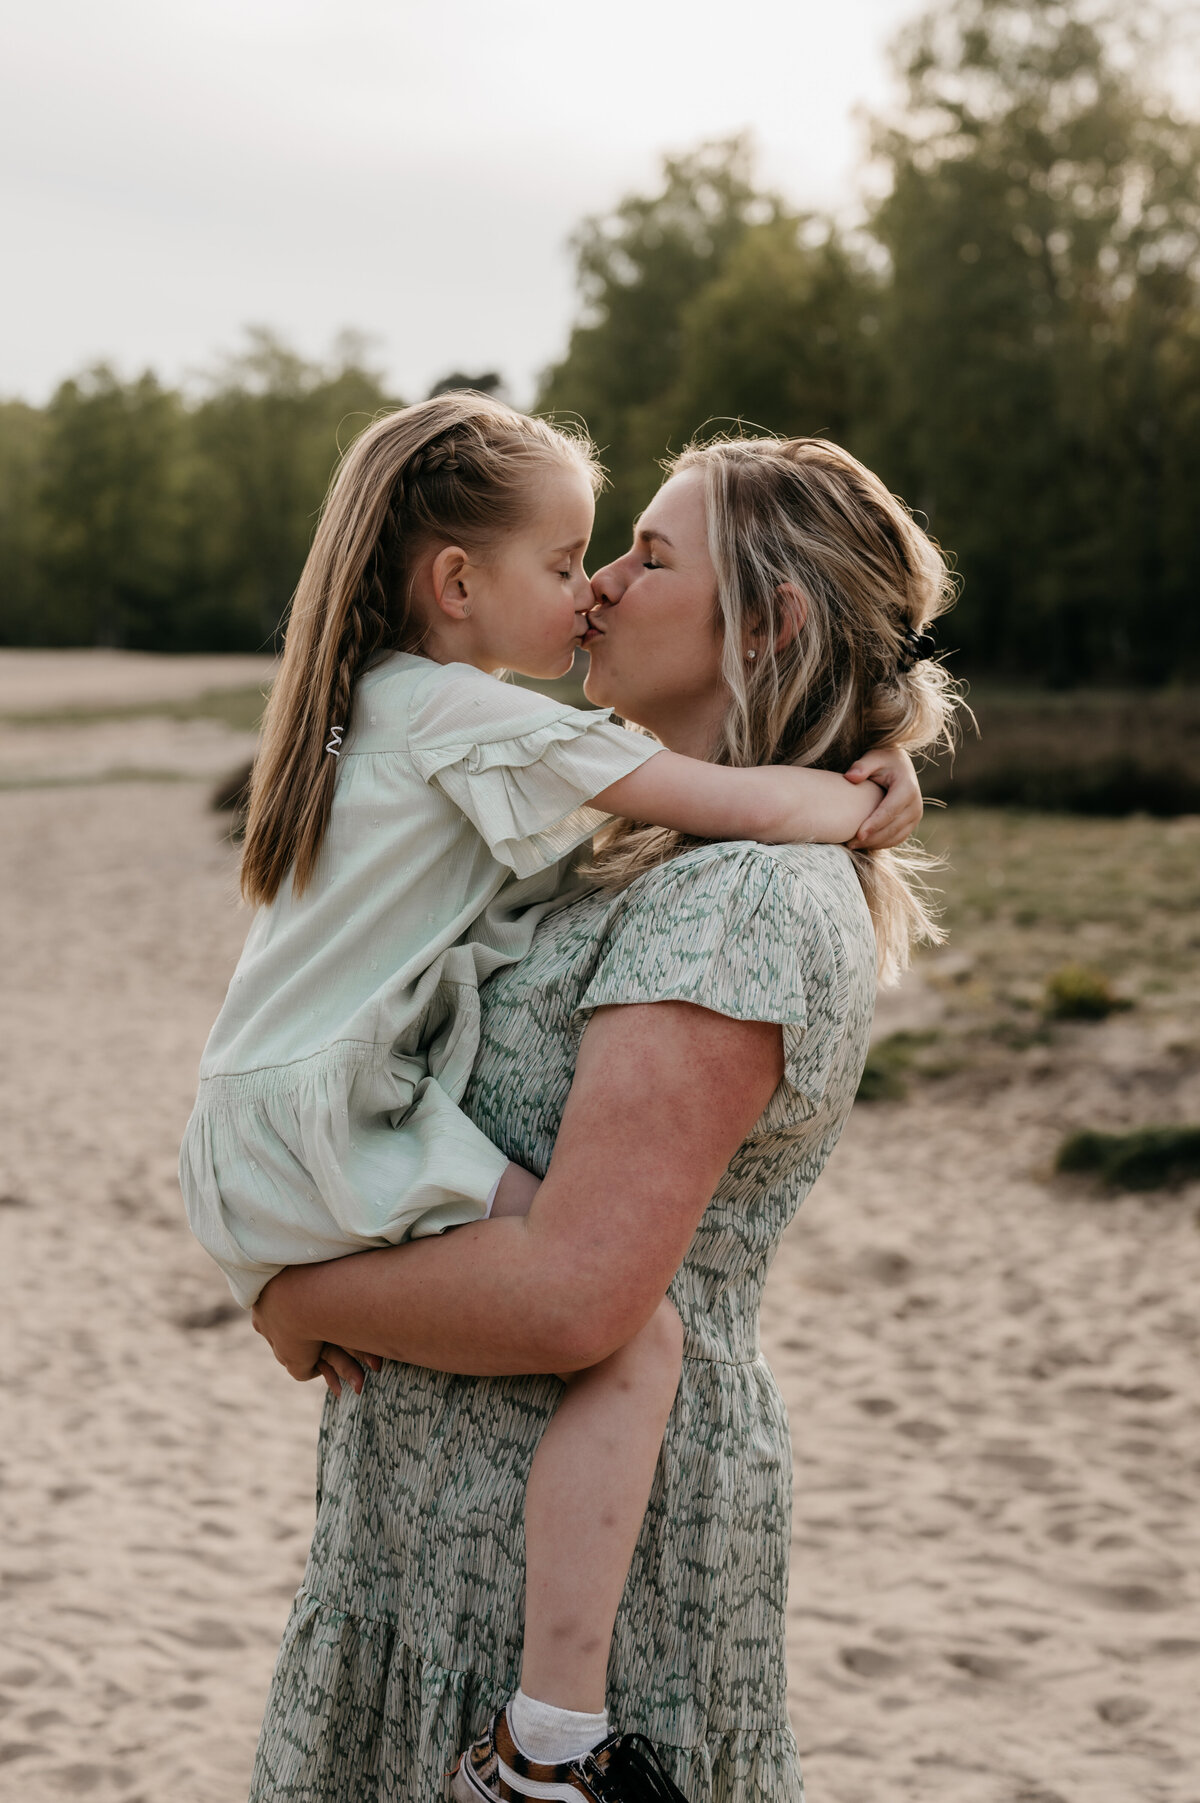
x=1010, y=335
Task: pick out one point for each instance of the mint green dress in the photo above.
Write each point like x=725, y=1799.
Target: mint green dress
x=327, y=1115
x=406, y=1633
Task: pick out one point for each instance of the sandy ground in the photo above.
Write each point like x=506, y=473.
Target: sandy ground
x=992, y=1384
x=38, y=751
x=34, y=682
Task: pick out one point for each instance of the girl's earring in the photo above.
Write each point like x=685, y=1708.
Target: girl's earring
x=751, y=654
x=466, y=612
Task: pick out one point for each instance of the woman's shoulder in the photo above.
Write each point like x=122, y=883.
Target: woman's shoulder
x=755, y=932
x=737, y=924
x=767, y=889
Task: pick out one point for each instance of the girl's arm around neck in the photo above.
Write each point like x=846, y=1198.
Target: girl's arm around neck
x=664, y=1093
x=777, y=804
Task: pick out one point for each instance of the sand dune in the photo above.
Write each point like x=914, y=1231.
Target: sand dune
x=991, y=1379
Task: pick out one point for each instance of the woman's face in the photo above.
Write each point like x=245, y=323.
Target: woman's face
x=654, y=642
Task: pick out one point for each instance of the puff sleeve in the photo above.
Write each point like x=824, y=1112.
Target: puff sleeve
x=523, y=769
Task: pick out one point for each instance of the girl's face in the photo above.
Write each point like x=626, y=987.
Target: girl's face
x=654, y=640
x=523, y=608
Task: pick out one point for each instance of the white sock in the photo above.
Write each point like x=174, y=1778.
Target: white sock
x=553, y=1736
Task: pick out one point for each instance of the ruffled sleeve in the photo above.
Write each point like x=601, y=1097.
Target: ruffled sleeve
x=738, y=929
x=522, y=768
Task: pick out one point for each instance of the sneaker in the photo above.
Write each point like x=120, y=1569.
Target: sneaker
x=622, y=1769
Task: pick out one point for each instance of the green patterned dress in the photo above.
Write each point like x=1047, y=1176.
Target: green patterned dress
x=406, y=1633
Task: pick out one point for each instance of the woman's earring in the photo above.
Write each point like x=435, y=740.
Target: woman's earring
x=466, y=612
x=751, y=654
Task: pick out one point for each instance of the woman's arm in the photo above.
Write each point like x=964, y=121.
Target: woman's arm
x=775, y=804
x=664, y=1093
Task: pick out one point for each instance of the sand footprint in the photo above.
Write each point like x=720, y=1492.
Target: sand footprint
x=868, y=1661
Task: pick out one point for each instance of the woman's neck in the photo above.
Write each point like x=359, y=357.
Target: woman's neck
x=689, y=727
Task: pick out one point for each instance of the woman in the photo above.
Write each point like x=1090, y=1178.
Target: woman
x=678, y=1054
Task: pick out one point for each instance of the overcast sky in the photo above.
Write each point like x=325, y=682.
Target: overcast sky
x=173, y=169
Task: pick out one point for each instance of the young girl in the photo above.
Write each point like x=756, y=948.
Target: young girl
x=411, y=821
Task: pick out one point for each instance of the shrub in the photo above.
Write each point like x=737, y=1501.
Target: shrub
x=887, y=1061
x=1148, y=1158
x=1077, y=993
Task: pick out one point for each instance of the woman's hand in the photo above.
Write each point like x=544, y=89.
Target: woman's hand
x=304, y=1358
x=299, y=1356
x=900, y=811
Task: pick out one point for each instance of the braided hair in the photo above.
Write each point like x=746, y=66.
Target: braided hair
x=460, y=469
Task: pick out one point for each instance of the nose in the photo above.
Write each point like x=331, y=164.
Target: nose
x=608, y=585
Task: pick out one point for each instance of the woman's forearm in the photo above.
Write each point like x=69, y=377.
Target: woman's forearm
x=487, y=1300
x=663, y=1095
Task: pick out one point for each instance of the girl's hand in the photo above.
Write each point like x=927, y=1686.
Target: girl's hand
x=337, y=1366
x=900, y=811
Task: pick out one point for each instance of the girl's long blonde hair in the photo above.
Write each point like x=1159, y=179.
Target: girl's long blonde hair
x=801, y=514
x=461, y=469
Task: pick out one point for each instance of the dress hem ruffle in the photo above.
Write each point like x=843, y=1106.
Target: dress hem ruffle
x=357, y=1714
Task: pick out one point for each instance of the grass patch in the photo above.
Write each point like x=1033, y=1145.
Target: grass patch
x=1027, y=895
x=1077, y=993
x=241, y=709
x=1146, y=1159
x=889, y=1063
x=97, y=781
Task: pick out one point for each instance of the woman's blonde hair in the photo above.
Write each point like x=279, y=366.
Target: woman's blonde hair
x=801, y=524
x=460, y=469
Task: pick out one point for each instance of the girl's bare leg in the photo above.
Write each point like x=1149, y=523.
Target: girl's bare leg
x=587, y=1493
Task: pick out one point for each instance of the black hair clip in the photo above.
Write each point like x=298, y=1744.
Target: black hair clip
x=914, y=646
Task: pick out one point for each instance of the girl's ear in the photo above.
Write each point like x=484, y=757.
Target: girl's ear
x=447, y=578
x=793, y=608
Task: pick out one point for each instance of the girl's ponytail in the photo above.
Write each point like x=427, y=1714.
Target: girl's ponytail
x=461, y=468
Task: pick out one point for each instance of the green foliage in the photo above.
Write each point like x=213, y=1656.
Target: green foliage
x=1148, y=1158
x=1077, y=993
x=1039, y=330
x=888, y=1063
x=265, y=444
x=638, y=269
x=22, y=440
x=112, y=507
x=1014, y=341
x=131, y=516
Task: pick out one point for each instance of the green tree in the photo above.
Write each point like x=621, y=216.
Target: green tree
x=1041, y=229
x=264, y=445
x=782, y=338
x=110, y=511
x=638, y=268
x=22, y=439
